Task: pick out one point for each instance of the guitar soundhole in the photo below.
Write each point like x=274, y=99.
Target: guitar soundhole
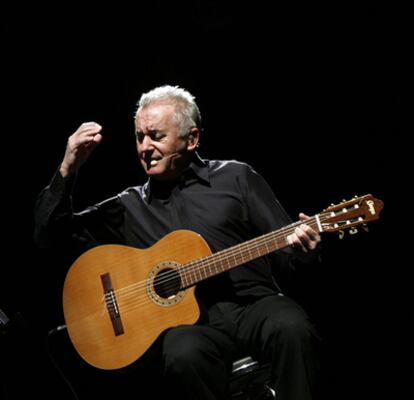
x=167, y=283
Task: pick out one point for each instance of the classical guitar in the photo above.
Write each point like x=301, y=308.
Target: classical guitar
x=117, y=299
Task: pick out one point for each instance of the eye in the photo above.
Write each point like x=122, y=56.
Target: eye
x=139, y=136
x=158, y=136
x=154, y=135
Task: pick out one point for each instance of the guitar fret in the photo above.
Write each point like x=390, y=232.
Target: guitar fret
x=217, y=268
x=183, y=275
x=207, y=269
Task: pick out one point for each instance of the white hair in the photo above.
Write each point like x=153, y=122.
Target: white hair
x=187, y=113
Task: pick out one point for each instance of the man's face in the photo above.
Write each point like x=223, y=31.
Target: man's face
x=157, y=139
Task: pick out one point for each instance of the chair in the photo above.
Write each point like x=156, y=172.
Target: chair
x=251, y=381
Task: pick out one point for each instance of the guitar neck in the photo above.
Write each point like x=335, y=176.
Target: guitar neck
x=336, y=218
x=204, y=268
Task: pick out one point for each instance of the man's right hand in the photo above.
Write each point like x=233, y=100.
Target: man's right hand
x=79, y=147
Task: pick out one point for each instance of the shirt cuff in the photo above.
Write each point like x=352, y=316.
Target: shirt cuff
x=60, y=186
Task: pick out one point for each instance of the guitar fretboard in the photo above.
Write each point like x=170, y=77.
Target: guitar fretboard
x=199, y=270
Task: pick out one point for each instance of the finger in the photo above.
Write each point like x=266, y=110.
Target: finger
x=92, y=141
x=308, y=237
x=302, y=240
x=303, y=216
x=87, y=129
x=85, y=139
x=90, y=126
x=313, y=235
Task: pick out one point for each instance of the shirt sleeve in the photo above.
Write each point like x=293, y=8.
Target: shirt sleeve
x=265, y=211
x=266, y=214
x=58, y=226
x=53, y=208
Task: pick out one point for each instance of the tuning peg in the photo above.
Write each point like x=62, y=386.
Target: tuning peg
x=365, y=227
x=341, y=234
x=353, y=231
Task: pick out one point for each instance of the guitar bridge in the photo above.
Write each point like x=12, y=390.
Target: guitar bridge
x=111, y=304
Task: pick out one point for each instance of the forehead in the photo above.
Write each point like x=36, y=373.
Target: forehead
x=155, y=115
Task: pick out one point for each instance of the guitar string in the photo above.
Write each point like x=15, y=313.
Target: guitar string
x=140, y=299
x=140, y=296
x=137, y=291
x=187, y=269
x=123, y=294
x=197, y=265
x=169, y=282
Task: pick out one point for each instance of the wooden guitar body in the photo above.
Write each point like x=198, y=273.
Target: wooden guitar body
x=143, y=313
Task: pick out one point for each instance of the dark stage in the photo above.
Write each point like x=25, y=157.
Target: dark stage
x=315, y=99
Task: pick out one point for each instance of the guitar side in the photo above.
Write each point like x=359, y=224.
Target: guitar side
x=141, y=314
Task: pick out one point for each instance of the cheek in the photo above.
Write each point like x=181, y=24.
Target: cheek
x=139, y=151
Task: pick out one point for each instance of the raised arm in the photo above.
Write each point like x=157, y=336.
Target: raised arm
x=79, y=147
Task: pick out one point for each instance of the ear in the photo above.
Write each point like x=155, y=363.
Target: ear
x=193, y=138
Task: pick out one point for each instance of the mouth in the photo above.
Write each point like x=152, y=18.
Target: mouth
x=147, y=159
x=151, y=162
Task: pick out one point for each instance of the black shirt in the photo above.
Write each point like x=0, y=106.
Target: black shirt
x=226, y=202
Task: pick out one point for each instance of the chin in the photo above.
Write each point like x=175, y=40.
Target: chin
x=149, y=170
x=155, y=171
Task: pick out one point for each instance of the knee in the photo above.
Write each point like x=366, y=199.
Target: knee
x=181, y=349
x=294, y=331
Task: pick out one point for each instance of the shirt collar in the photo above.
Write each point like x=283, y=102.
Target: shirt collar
x=200, y=168
x=197, y=168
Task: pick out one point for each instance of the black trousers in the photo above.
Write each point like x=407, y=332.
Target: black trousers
x=196, y=360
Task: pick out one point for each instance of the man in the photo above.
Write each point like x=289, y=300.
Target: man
x=243, y=311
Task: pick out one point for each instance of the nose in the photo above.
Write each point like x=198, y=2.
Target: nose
x=146, y=144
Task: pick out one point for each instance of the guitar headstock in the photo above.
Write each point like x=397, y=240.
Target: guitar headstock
x=349, y=214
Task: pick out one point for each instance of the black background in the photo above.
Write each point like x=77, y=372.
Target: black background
x=314, y=97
